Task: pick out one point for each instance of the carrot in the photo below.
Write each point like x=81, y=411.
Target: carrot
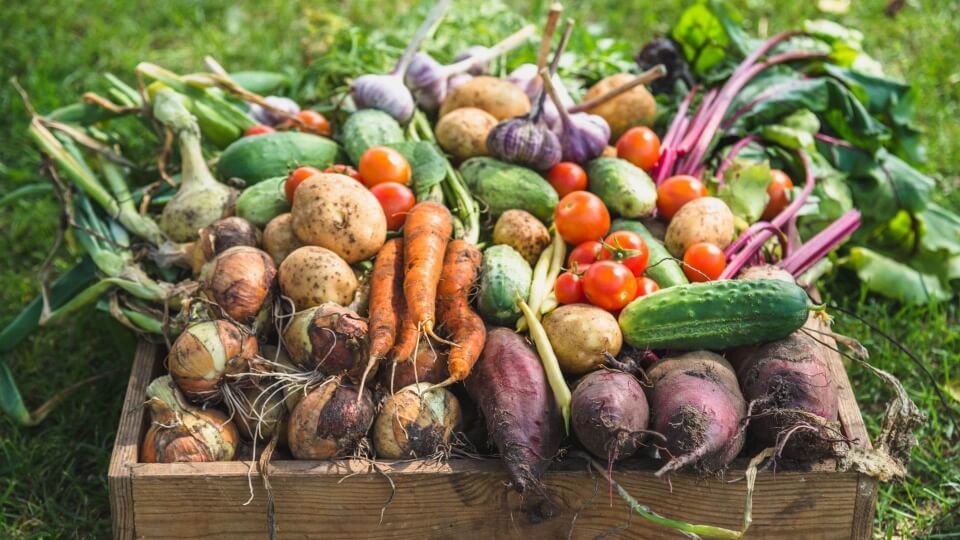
x=425, y=236
x=461, y=266
x=407, y=337
x=386, y=303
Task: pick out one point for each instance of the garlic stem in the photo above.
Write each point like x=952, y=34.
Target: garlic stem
x=561, y=46
x=508, y=44
x=426, y=28
x=647, y=76
x=552, y=18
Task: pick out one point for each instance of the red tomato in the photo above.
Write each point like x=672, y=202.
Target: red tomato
x=628, y=248
x=584, y=254
x=703, y=261
x=646, y=286
x=314, y=122
x=581, y=216
x=677, y=191
x=380, y=164
x=609, y=285
x=778, y=190
x=640, y=146
x=258, y=129
x=567, y=177
x=345, y=170
x=569, y=289
x=396, y=200
x=296, y=178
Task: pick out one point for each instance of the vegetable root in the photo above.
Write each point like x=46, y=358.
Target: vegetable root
x=386, y=304
x=425, y=235
x=461, y=267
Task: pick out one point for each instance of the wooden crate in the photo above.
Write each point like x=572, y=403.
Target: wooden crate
x=466, y=498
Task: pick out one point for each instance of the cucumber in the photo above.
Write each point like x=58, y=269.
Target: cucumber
x=366, y=128
x=503, y=275
x=260, y=82
x=716, y=315
x=254, y=159
x=502, y=187
x=662, y=267
x=262, y=202
x=625, y=188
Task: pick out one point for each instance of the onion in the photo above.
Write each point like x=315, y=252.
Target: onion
x=220, y=236
x=205, y=353
x=416, y=422
x=181, y=432
x=328, y=338
x=240, y=281
x=329, y=422
x=261, y=411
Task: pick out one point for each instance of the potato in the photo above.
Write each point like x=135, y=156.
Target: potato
x=313, y=275
x=498, y=97
x=633, y=108
x=523, y=232
x=463, y=132
x=336, y=212
x=278, y=238
x=766, y=271
x=580, y=334
x=707, y=219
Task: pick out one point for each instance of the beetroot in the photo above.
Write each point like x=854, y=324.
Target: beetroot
x=785, y=381
x=697, y=405
x=609, y=414
x=522, y=418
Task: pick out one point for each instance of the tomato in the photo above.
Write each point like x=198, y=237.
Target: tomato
x=396, y=201
x=585, y=254
x=567, y=177
x=703, y=261
x=677, y=191
x=646, y=286
x=314, y=122
x=569, y=288
x=380, y=164
x=609, y=285
x=258, y=129
x=296, y=178
x=640, y=146
x=345, y=170
x=581, y=216
x=628, y=248
x=778, y=190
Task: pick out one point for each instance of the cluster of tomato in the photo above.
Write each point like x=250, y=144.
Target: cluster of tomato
x=383, y=170
x=608, y=273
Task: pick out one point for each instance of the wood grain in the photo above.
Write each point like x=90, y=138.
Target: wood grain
x=467, y=498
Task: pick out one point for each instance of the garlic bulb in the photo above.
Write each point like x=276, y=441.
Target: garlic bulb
x=584, y=136
x=181, y=432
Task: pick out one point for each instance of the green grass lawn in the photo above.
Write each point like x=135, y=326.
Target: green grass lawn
x=53, y=477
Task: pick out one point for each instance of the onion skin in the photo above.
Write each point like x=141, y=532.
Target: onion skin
x=204, y=353
x=267, y=412
x=328, y=338
x=181, y=432
x=430, y=366
x=220, y=236
x=329, y=422
x=416, y=423
x=240, y=281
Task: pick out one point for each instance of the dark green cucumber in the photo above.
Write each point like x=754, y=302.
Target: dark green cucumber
x=625, y=188
x=504, y=275
x=662, y=267
x=502, y=186
x=255, y=159
x=715, y=315
x=366, y=128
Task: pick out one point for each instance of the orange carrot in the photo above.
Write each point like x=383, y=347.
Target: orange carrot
x=386, y=303
x=461, y=266
x=425, y=236
x=407, y=336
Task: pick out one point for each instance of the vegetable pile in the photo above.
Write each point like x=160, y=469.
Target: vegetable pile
x=614, y=258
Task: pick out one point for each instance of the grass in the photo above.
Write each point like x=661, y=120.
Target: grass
x=53, y=477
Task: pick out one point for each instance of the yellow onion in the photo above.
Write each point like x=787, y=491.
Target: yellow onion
x=429, y=366
x=205, y=353
x=181, y=432
x=416, y=422
x=240, y=281
x=329, y=422
x=220, y=236
x=261, y=410
x=328, y=338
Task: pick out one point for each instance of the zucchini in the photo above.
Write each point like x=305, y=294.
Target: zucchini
x=262, y=202
x=503, y=275
x=716, y=315
x=502, y=187
x=625, y=188
x=366, y=128
x=254, y=159
x=662, y=267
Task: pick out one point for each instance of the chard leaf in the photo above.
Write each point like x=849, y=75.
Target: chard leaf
x=892, y=279
x=711, y=34
x=795, y=131
x=745, y=190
